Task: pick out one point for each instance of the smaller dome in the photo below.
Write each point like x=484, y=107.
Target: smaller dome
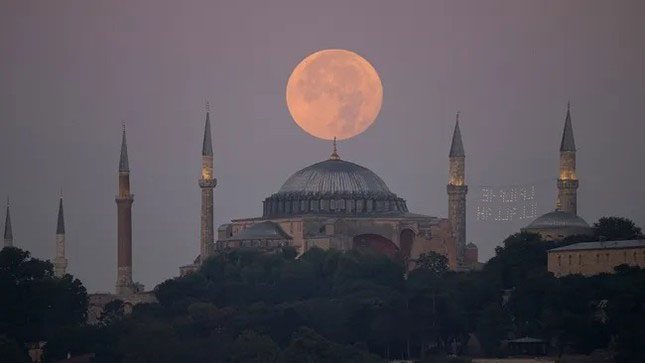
x=558, y=219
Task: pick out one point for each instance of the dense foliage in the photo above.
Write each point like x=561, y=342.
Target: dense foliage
x=328, y=306
x=35, y=305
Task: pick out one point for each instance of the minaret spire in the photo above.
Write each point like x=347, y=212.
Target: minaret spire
x=568, y=181
x=207, y=145
x=207, y=183
x=568, y=143
x=8, y=233
x=334, y=153
x=60, y=262
x=457, y=190
x=60, y=225
x=124, y=199
x=123, y=160
x=457, y=146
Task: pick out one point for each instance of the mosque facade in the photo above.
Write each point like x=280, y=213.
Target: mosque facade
x=338, y=204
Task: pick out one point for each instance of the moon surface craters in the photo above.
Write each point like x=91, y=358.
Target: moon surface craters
x=334, y=93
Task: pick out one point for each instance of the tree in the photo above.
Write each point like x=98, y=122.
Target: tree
x=432, y=262
x=492, y=326
x=11, y=351
x=307, y=346
x=616, y=229
x=113, y=311
x=252, y=347
x=34, y=303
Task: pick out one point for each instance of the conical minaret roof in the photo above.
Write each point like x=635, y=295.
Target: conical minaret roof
x=568, y=143
x=8, y=233
x=60, y=226
x=457, y=146
x=123, y=160
x=207, y=146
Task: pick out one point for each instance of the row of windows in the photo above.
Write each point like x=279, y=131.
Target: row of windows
x=272, y=206
x=627, y=257
x=253, y=243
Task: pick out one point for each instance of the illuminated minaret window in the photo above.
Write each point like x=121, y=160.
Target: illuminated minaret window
x=567, y=181
x=457, y=191
x=60, y=262
x=8, y=233
x=124, y=199
x=206, y=183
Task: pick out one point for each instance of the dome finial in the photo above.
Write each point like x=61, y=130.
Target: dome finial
x=334, y=154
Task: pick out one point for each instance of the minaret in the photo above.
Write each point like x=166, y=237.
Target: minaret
x=207, y=183
x=567, y=182
x=8, y=233
x=60, y=262
x=124, y=199
x=457, y=190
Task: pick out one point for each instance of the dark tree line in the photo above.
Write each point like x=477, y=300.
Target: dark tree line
x=328, y=306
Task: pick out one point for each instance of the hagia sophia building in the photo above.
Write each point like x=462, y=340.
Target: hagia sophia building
x=331, y=204
x=337, y=204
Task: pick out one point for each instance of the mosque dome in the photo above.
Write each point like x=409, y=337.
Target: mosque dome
x=333, y=186
x=558, y=224
x=558, y=219
x=335, y=176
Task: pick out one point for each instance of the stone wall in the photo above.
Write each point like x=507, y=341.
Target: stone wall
x=593, y=262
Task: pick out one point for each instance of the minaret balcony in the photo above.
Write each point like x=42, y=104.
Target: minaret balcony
x=207, y=183
x=457, y=189
x=124, y=198
x=567, y=184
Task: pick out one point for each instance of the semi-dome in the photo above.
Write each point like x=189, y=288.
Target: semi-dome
x=333, y=186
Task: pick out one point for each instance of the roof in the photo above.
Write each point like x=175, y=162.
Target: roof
x=568, y=143
x=335, y=176
x=60, y=226
x=457, y=146
x=602, y=245
x=263, y=230
x=207, y=146
x=558, y=219
x=123, y=160
x=8, y=234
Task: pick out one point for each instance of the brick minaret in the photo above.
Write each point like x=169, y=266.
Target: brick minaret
x=8, y=234
x=567, y=182
x=457, y=190
x=60, y=262
x=207, y=183
x=124, y=199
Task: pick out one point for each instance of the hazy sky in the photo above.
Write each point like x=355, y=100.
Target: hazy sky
x=70, y=71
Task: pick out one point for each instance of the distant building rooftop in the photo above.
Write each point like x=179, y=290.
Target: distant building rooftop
x=601, y=245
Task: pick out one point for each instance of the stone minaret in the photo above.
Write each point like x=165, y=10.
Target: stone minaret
x=60, y=262
x=457, y=190
x=124, y=199
x=567, y=181
x=8, y=234
x=207, y=183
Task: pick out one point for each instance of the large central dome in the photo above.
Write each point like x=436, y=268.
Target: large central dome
x=334, y=176
x=333, y=186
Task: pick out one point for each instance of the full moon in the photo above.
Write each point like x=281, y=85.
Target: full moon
x=334, y=93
